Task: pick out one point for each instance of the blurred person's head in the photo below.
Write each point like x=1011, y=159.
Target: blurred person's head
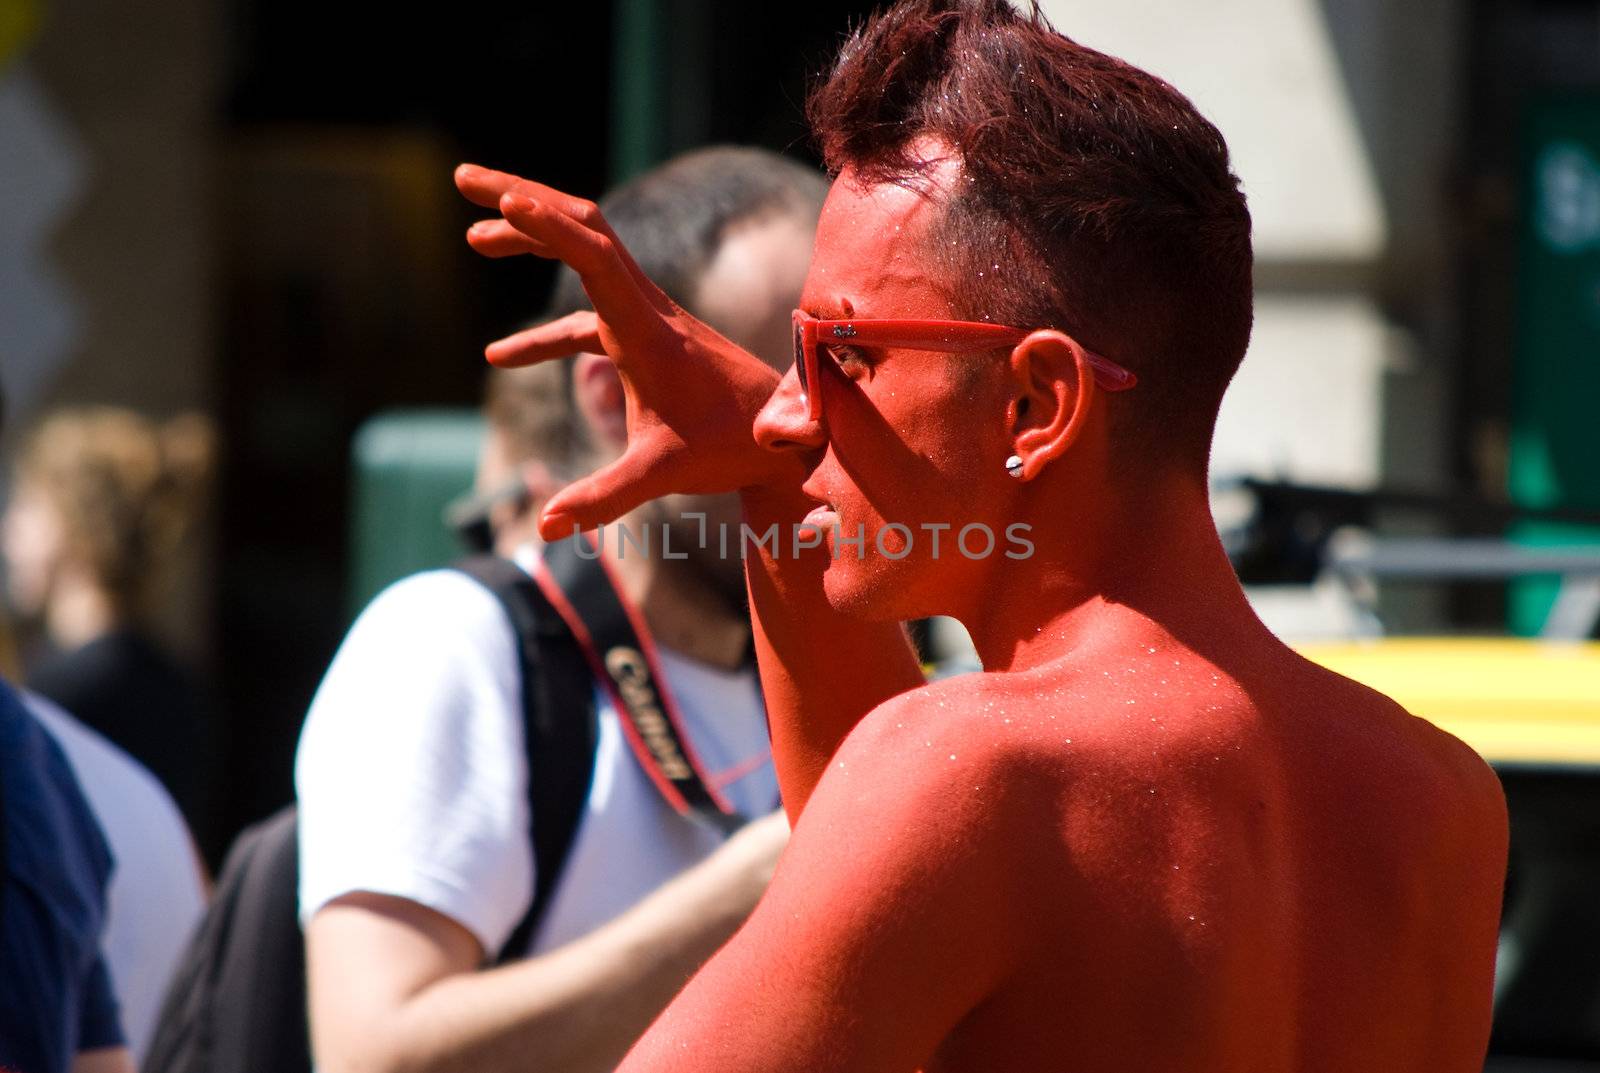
x=102, y=499
x=726, y=233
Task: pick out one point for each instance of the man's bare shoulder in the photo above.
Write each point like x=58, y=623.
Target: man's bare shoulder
x=1043, y=774
x=1164, y=721
x=920, y=808
x=1367, y=735
x=928, y=733
x=956, y=753
x=975, y=745
x=1046, y=715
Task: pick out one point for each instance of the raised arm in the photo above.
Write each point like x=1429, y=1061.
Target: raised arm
x=821, y=671
x=692, y=398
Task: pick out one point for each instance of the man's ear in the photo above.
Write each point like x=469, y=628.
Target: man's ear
x=597, y=391
x=1054, y=385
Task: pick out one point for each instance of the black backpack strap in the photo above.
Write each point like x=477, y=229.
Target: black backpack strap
x=561, y=727
x=616, y=643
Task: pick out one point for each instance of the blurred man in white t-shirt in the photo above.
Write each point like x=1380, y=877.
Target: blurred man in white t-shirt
x=415, y=859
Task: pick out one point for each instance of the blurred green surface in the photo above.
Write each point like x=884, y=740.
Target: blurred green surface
x=408, y=465
x=1555, y=433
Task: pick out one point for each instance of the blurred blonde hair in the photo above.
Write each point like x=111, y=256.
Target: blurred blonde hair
x=128, y=491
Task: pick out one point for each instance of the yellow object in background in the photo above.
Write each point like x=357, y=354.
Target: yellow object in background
x=1515, y=701
x=19, y=20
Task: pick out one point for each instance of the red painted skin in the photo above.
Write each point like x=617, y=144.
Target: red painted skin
x=1148, y=837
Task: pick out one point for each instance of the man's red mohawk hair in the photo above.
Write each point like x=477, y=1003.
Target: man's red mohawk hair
x=1097, y=199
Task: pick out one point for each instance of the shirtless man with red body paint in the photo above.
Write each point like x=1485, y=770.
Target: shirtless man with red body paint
x=1149, y=836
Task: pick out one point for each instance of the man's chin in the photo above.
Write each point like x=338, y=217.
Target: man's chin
x=865, y=590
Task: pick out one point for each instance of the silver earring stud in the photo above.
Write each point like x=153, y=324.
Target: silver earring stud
x=1014, y=465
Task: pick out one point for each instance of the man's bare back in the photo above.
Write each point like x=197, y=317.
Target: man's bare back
x=1245, y=869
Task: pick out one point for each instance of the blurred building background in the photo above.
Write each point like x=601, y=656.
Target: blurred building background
x=245, y=207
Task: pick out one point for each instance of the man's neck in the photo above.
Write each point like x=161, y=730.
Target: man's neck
x=1149, y=573
x=683, y=612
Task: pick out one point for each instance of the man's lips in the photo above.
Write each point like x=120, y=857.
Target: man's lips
x=822, y=516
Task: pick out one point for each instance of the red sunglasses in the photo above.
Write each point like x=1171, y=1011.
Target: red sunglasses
x=944, y=336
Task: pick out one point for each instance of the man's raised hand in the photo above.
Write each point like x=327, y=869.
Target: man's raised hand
x=691, y=394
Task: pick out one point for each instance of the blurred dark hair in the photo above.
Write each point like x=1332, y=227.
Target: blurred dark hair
x=1093, y=198
x=673, y=220
x=128, y=491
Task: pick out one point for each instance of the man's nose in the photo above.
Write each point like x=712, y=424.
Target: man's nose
x=784, y=423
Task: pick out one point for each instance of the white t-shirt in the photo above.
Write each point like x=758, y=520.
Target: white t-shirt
x=157, y=890
x=412, y=776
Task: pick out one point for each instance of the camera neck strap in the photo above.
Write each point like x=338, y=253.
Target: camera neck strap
x=582, y=588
